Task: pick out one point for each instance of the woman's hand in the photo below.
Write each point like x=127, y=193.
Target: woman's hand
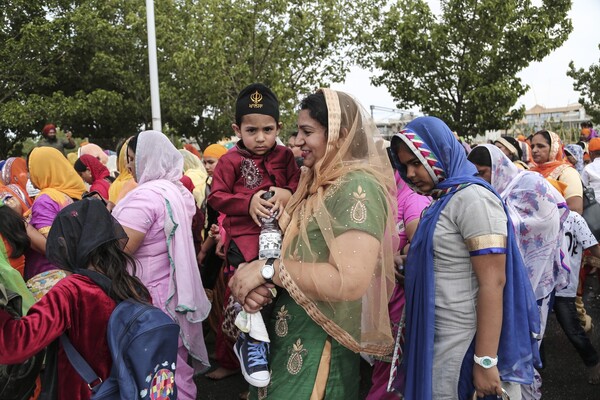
x=247, y=277
x=259, y=207
x=258, y=298
x=282, y=196
x=13, y=204
x=486, y=381
x=399, y=261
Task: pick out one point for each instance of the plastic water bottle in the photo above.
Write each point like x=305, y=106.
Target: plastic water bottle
x=269, y=241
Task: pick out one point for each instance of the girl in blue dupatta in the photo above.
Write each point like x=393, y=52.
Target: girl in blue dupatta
x=471, y=316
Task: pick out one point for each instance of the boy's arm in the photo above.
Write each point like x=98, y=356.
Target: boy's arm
x=222, y=197
x=284, y=193
x=293, y=172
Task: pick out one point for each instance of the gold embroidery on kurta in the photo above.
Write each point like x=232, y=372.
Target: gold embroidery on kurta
x=262, y=392
x=294, y=364
x=281, y=326
x=358, y=212
x=333, y=188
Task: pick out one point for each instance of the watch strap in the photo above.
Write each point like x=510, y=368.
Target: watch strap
x=486, y=361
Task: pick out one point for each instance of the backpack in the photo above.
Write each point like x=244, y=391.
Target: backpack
x=17, y=381
x=143, y=343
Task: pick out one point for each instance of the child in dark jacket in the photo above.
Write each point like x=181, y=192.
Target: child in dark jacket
x=256, y=164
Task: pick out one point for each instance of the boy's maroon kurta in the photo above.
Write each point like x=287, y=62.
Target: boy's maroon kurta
x=237, y=177
x=75, y=305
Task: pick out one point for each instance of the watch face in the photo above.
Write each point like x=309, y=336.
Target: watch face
x=268, y=271
x=486, y=362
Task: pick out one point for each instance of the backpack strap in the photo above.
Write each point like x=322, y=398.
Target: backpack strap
x=81, y=366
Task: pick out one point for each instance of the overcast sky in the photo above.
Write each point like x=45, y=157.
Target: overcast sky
x=549, y=84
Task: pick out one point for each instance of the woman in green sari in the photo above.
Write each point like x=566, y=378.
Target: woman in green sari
x=336, y=271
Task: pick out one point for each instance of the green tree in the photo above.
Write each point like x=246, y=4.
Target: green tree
x=222, y=46
x=83, y=64
x=77, y=64
x=587, y=82
x=461, y=66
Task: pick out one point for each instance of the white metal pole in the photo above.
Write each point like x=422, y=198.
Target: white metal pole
x=154, y=92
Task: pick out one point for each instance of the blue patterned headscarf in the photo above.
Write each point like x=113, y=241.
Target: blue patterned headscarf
x=517, y=350
x=576, y=151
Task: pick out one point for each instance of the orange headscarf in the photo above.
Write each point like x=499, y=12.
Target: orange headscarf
x=14, y=177
x=15, y=172
x=556, y=157
x=192, y=150
x=53, y=174
x=215, y=150
x=17, y=193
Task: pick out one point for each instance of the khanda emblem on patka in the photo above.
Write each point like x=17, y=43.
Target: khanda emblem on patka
x=256, y=99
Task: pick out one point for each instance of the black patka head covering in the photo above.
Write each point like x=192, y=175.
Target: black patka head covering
x=77, y=230
x=256, y=99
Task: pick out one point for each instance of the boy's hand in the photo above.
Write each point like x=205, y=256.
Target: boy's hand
x=260, y=208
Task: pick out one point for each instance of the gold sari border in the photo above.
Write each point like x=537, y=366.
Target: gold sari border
x=45, y=230
x=332, y=329
x=485, y=242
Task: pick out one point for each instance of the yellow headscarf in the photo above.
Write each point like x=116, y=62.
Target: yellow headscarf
x=124, y=175
x=194, y=169
x=52, y=173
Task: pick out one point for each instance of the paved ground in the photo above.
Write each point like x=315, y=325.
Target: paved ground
x=564, y=377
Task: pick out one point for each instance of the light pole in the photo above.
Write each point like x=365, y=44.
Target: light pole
x=153, y=64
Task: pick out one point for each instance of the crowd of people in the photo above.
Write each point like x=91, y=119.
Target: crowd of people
x=436, y=261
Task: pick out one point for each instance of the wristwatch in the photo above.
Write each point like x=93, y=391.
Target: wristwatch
x=485, y=361
x=268, y=270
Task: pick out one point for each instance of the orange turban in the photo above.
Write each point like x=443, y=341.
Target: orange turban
x=215, y=150
x=192, y=150
x=594, y=144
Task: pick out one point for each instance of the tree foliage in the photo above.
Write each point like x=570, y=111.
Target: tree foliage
x=587, y=82
x=461, y=66
x=83, y=63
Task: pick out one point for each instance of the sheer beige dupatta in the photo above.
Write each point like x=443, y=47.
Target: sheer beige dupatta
x=351, y=147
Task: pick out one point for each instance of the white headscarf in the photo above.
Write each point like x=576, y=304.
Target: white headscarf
x=537, y=211
x=159, y=166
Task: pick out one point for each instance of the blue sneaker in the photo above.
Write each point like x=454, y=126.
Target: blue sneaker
x=253, y=360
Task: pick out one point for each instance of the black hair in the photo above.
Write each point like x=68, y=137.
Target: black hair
x=80, y=166
x=545, y=134
x=480, y=156
x=132, y=144
x=581, y=144
x=516, y=145
x=120, y=144
x=317, y=109
x=111, y=260
x=395, y=145
x=12, y=229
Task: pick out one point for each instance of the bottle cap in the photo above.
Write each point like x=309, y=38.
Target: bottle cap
x=267, y=195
